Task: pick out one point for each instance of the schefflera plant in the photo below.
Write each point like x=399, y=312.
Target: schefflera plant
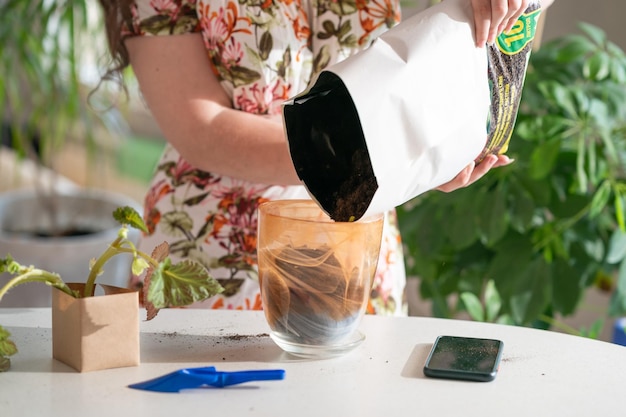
x=166, y=284
x=524, y=244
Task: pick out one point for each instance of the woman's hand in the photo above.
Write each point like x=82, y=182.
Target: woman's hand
x=473, y=172
x=492, y=17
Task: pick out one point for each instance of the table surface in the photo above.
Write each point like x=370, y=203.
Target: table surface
x=542, y=373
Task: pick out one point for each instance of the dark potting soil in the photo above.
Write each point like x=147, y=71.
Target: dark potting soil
x=309, y=296
x=63, y=233
x=329, y=151
x=42, y=233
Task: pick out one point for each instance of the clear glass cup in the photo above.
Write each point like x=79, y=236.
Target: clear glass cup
x=315, y=275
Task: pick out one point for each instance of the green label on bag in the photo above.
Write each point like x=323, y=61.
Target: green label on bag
x=513, y=41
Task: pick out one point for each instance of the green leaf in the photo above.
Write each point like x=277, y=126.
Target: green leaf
x=460, y=229
x=429, y=290
x=580, y=164
x=473, y=306
x=509, y=263
x=532, y=293
x=493, y=302
x=5, y=364
x=609, y=144
x=181, y=284
x=600, y=199
x=505, y=319
x=543, y=159
x=128, y=216
x=597, y=67
x=617, y=305
x=567, y=290
x=427, y=237
x=139, y=265
x=26, y=274
x=618, y=72
x=569, y=205
x=562, y=95
x=593, y=249
x=522, y=210
x=493, y=221
x=8, y=264
x=594, y=331
x=7, y=348
x=540, y=191
x=449, y=280
x=597, y=35
x=617, y=247
x=576, y=47
x=619, y=210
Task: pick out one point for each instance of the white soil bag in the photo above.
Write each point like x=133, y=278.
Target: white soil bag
x=405, y=115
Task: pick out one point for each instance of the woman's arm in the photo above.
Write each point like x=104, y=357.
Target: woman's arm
x=196, y=116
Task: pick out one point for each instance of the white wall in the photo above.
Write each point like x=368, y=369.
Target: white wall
x=564, y=15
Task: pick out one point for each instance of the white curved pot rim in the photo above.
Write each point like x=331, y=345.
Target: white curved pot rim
x=98, y=193
x=25, y=198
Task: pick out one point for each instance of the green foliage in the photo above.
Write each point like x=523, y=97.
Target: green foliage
x=170, y=285
x=174, y=284
x=47, y=49
x=522, y=244
x=181, y=284
x=128, y=215
x=25, y=274
x=7, y=348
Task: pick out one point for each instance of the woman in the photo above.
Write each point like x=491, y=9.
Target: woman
x=214, y=74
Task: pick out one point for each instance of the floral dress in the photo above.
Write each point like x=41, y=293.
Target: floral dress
x=263, y=52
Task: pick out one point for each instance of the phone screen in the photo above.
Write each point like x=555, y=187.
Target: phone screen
x=464, y=358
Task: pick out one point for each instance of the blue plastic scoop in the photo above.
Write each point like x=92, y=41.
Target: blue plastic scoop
x=189, y=378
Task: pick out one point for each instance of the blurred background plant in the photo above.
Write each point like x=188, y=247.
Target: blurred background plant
x=522, y=245
x=50, y=53
x=51, y=125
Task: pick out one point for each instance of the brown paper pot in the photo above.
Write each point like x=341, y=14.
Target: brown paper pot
x=98, y=332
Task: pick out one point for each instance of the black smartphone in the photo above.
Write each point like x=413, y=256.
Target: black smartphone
x=464, y=358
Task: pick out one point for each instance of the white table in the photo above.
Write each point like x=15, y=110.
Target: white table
x=542, y=373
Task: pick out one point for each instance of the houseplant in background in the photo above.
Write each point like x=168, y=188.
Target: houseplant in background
x=49, y=56
x=91, y=333
x=49, y=65
x=524, y=243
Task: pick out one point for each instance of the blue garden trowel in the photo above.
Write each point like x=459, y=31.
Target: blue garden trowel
x=206, y=376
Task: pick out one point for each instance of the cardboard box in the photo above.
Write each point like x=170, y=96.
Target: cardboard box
x=94, y=333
